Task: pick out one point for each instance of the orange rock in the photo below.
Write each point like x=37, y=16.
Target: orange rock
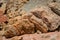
x=1, y=13
x=3, y=18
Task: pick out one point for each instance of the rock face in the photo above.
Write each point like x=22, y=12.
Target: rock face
x=55, y=7
x=51, y=20
x=41, y=18
x=21, y=26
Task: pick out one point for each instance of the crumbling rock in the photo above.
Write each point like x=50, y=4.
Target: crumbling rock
x=23, y=26
x=42, y=19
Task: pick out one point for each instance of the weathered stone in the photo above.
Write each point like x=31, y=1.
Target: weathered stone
x=48, y=17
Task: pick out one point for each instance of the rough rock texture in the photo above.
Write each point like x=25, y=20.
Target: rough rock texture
x=3, y=18
x=55, y=7
x=42, y=19
x=20, y=26
x=9, y=9
x=44, y=36
x=48, y=17
x=16, y=19
x=39, y=24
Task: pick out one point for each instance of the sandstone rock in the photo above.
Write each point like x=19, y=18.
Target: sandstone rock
x=55, y=7
x=20, y=27
x=39, y=24
x=49, y=18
